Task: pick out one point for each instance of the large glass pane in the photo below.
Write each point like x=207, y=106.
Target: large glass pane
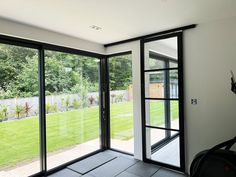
x=163, y=146
x=155, y=113
x=161, y=54
x=72, y=106
x=19, y=120
x=174, y=114
x=155, y=61
x=156, y=84
x=173, y=64
x=121, y=103
x=158, y=115
x=173, y=84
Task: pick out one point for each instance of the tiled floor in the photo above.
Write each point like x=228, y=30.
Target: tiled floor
x=113, y=164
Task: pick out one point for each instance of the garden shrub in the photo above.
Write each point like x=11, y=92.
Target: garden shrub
x=3, y=112
x=27, y=109
x=48, y=107
x=76, y=104
x=54, y=107
x=19, y=109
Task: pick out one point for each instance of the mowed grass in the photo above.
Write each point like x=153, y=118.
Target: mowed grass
x=19, y=139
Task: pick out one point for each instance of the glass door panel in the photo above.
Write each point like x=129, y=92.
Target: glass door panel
x=72, y=106
x=19, y=111
x=161, y=100
x=121, y=103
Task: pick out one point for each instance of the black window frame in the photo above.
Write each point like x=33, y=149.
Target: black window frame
x=41, y=47
x=179, y=35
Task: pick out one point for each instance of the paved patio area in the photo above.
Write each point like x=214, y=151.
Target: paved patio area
x=54, y=159
x=126, y=146
x=168, y=154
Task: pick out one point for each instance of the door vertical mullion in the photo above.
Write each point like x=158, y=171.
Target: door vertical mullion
x=143, y=112
x=104, y=106
x=107, y=99
x=42, y=115
x=181, y=100
x=167, y=102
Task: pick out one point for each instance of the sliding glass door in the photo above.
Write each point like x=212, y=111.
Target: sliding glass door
x=72, y=106
x=162, y=98
x=19, y=111
x=121, y=102
x=49, y=106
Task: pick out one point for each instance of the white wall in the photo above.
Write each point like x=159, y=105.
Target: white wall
x=209, y=54
x=16, y=29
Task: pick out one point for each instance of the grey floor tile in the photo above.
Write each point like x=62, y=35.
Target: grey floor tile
x=92, y=162
x=113, y=167
x=118, y=154
x=112, y=152
x=87, y=175
x=167, y=173
x=143, y=169
x=65, y=173
x=127, y=174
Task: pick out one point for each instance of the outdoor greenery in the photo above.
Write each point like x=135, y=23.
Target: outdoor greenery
x=3, y=112
x=20, y=138
x=120, y=72
x=64, y=73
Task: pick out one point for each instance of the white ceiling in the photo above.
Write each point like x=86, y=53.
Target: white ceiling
x=119, y=19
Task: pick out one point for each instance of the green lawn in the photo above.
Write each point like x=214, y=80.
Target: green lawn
x=19, y=139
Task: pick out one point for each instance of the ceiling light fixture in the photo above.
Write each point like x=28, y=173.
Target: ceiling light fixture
x=94, y=27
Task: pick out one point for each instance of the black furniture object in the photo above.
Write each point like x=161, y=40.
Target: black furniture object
x=215, y=162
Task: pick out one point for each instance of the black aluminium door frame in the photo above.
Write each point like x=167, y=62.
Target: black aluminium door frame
x=104, y=109
x=179, y=35
x=41, y=47
x=107, y=99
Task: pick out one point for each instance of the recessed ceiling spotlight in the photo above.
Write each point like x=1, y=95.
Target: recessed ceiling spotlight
x=94, y=27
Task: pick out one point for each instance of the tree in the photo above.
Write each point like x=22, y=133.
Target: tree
x=57, y=78
x=86, y=66
x=120, y=72
x=64, y=72
x=12, y=61
x=27, y=81
x=7, y=73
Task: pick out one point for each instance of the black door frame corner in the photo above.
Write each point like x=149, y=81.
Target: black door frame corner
x=179, y=35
